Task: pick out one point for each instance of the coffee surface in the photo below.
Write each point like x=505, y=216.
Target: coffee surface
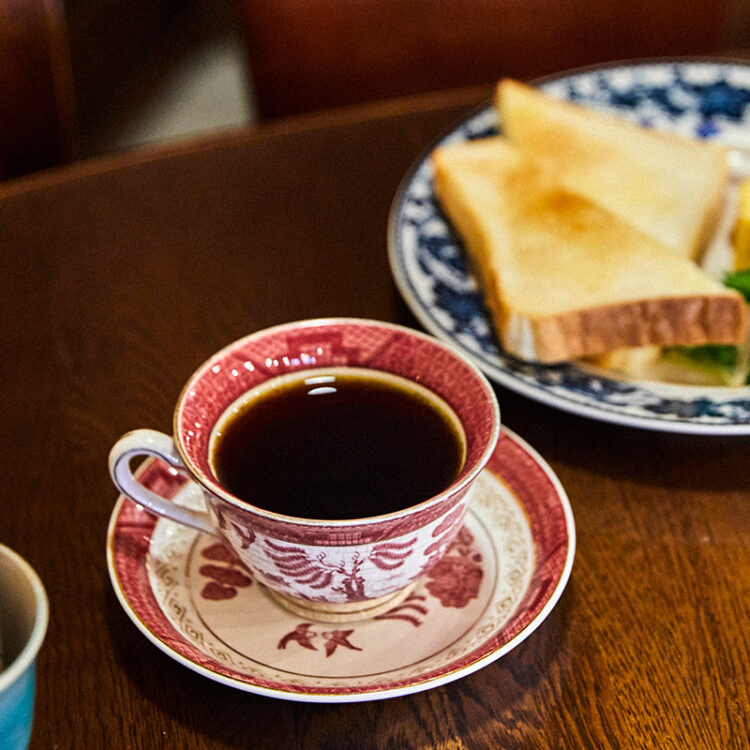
x=338, y=446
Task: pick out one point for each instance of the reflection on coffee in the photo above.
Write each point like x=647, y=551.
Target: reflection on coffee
x=339, y=443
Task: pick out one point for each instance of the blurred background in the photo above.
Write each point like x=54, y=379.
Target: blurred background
x=182, y=71
x=80, y=78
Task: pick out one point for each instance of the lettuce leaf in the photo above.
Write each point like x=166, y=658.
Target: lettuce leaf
x=739, y=280
x=728, y=361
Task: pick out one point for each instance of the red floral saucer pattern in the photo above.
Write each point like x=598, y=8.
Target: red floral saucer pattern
x=500, y=578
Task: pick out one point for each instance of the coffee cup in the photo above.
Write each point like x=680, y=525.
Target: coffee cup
x=336, y=458
x=24, y=613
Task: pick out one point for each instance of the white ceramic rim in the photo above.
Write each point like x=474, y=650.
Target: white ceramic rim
x=457, y=485
x=41, y=619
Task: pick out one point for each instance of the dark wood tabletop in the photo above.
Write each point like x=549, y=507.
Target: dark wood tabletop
x=120, y=276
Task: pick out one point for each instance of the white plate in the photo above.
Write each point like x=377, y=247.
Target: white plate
x=704, y=99
x=497, y=583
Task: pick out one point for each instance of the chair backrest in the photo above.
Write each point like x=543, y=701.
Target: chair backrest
x=37, y=123
x=315, y=54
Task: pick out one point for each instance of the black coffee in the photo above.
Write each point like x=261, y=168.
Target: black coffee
x=338, y=444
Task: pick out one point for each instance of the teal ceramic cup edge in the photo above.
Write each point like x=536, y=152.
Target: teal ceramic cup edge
x=17, y=680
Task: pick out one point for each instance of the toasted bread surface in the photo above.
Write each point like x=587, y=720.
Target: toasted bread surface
x=667, y=185
x=564, y=277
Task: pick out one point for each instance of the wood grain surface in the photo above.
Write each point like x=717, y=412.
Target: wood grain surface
x=119, y=277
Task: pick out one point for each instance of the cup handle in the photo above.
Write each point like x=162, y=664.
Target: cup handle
x=152, y=443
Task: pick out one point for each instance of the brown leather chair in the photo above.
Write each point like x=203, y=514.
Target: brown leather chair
x=313, y=54
x=36, y=93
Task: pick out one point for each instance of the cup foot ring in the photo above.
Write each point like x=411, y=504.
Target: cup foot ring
x=341, y=612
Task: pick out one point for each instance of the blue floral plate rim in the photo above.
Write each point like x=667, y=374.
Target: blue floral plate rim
x=705, y=97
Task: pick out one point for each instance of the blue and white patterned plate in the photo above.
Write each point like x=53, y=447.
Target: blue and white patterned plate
x=701, y=98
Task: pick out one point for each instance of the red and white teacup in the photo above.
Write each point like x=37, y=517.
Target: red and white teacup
x=334, y=570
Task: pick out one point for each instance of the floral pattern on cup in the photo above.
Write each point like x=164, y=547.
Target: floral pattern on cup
x=336, y=573
x=457, y=576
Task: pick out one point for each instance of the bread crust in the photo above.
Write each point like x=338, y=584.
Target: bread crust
x=680, y=321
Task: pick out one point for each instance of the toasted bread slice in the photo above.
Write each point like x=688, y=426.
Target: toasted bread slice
x=563, y=277
x=671, y=187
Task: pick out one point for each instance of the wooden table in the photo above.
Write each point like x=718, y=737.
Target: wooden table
x=120, y=276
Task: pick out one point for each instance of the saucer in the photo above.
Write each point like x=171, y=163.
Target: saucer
x=498, y=581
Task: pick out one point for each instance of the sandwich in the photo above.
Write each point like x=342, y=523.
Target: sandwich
x=565, y=275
